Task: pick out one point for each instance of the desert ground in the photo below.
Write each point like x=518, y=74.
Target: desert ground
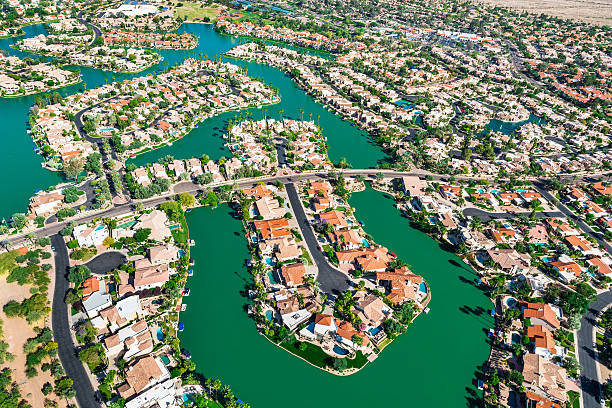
x=590, y=11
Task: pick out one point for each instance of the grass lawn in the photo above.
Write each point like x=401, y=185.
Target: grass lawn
x=315, y=355
x=191, y=10
x=574, y=399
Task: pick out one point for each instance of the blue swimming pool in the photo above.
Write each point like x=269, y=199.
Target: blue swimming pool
x=423, y=287
x=548, y=258
x=375, y=330
x=511, y=302
x=160, y=334
x=516, y=338
x=269, y=315
x=366, y=243
x=272, y=278
x=175, y=226
x=340, y=351
x=269, y=261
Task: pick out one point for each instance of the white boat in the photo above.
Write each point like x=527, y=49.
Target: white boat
x=426, y=310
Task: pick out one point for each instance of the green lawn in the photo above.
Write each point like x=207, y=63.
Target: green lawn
x=574, y=399
x=318, y=357
x=191, y=10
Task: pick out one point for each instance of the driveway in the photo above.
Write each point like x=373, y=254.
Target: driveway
x=61, y=329
x=106, y=262
x=331, y=280
x=591, y=388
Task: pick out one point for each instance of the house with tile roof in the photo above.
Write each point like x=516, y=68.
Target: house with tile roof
x=541, y=313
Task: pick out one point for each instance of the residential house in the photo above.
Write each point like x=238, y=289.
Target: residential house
x=90, y=236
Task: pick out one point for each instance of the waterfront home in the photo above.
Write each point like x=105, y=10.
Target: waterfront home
x=334, y=218
x=143, y=374
x=156, y=221
x=402, y=285
x=159, y=171
x=258, y=192
x=413, y=186
x=322, y=188
x=370, y=309
x=122, y=312
x=324, y=324
x=293, y=274
x=544, y=377
x=345, y=333
x=151, y=277
x=272, y=228
x=292, y=312
x=509, y=260
x=46, y=203
x=373, y=259
x=165, y=394
x=90, y=236
x=346, y=239
x=541, y=313
x=538, y=401
x=283, y=248
x=134, y=340
x=269, y=208
x=162, y=254
x=544, y=342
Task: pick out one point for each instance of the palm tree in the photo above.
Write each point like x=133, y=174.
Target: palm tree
x=301, y=114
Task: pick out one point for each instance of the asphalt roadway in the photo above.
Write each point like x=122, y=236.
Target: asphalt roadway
x=60, y=325
x=331, y=280
x=486, y=216
x=591, y=387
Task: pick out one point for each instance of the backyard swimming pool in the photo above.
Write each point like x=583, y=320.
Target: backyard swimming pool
x=340, y=351
x=272, y=278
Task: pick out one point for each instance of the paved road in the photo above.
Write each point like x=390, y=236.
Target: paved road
x=331, y=280
x=194, y=188
x=591, y=388
x=541, y=188
x=486, y=216
x=61, y=329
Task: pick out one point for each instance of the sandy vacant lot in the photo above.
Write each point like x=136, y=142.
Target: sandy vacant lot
x=16, y=332
x=590, y=11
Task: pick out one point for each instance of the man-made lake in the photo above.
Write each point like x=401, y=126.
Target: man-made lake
x=433, y=364
x=22, y=166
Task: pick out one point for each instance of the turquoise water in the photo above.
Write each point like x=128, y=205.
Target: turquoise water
x=344, y=139
x=272, y=278
x=409, y=372
x=509, y=127
x=340, y=351
x=160, y=334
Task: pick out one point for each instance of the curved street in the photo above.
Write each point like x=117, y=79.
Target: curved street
x=60, y=324
x=587, y=355
x=331, y=280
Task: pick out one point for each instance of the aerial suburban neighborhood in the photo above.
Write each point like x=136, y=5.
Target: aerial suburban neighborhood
x=214, y=203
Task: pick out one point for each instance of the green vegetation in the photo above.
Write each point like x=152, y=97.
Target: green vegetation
x=94, y=357
x=32, y=309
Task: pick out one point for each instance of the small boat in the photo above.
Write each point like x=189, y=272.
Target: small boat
x=180, y=326
x=190, y=273
x=480, y=385
x=132, y=156
x=392, y=254
x=492, y=313
x=191, y=262
x=252, y=294
x=186, y=292
x=361, y=223
x=195, y=127
x=186, y=353
x=491, y=333
x=426, y=310
x=191, y=242
x=183, y=307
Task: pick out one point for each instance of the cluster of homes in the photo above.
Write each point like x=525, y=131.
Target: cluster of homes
x=31, y=12
x=124, y=308
x=591, y=202
x=251, y=142
x=178, y=170
x=352, y=98
x=18, y=78
x=56, y=135
x=184, y=41
x=546, y=381
x=301, y=38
